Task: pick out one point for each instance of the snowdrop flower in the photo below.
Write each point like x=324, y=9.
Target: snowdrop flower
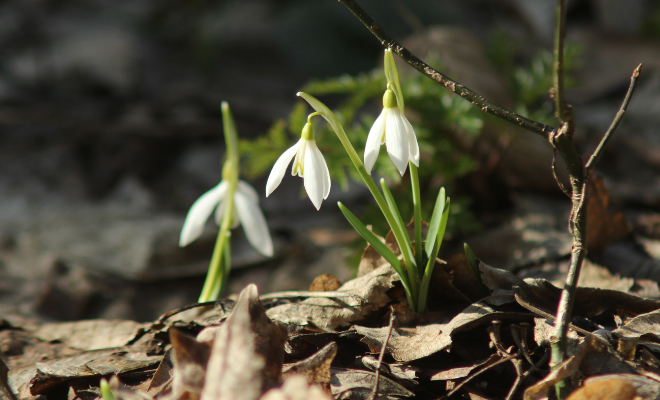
x=246, y=211
x=308, y=164
x=392, y=129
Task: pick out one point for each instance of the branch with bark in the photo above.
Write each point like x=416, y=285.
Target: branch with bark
x=561, y=139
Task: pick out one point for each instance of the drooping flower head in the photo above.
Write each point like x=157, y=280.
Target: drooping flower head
x=308, y=164
x=392, y=128
x=244, y=201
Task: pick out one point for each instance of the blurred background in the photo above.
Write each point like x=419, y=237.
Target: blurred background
x=110, y=129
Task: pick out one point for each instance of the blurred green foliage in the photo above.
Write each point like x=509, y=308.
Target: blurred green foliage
x=446, y=127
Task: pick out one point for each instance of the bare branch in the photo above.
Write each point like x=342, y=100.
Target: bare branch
x=474, y=98
x=615, y=122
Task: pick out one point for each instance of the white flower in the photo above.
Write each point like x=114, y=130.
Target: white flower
x=392, y=129
x=246, y=210
x=309, y=164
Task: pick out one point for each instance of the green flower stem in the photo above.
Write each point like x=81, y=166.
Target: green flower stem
x=417, y=204
x=217, y=272
x=400, y=235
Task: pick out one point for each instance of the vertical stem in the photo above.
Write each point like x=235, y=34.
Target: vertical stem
x=417, y=204
x=401, y=236
x=216, y=273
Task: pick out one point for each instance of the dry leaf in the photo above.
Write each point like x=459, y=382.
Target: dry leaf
x=325, y=283
x=296, y=387
x=408, y=344
x=247, y=355
x=603, y=227
x=566, y=369
x=190, y=360
x=617, y=387
x=462, y=372
x=357, y=384
x=315, y=368
x=398, y=371
x=91, y=334
x=363, y=296
x=91, y=363
x=5, y=391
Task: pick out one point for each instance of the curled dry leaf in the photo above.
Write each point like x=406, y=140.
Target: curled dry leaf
x=365, y=295
x=315, y=368
x=357, y=384
x=191, y=358
x=296, y=387
x=248, y=352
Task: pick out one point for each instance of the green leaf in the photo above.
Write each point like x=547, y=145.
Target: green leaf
x=430, y=265
x=436, y=219
x=106, y=392
x=379, y=246
x=399, y=221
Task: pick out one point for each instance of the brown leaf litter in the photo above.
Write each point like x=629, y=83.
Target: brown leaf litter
x=488, y=342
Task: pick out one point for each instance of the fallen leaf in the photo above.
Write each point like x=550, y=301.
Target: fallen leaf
x=248, y=352
x=358, y=384
x=315, y=368
x=617, y=387
x=408, y=344
x=190, y=360
x=91, y=363
x=324, y=283
x=91, y=334
x=566, y=369
x=296, y=387
x=362, y=296
x=398, y=371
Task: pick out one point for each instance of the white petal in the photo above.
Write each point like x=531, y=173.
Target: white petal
x=200, y=212
x=374, y=140
x=277, y=173
x=325, y=171
x=253, y=221
x=220, y=213
x=314, y=171
x=412, y=141
x=396, y=140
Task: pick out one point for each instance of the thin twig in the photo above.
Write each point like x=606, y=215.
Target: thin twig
x=615, y=122
x=474, y=98
x=374, y=391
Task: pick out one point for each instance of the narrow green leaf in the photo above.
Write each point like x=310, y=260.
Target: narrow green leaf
x=106, y=392
x=428, y=271
x=443, y=224
x=434, y=225
x=379, y=246
x=399, y=221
